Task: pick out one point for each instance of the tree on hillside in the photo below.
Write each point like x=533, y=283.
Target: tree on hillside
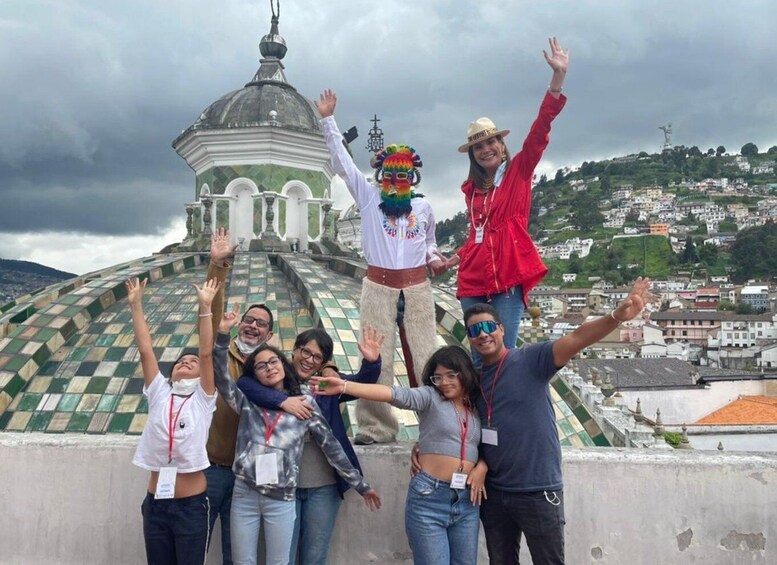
x=586, y=215
x=574, y=264
x=689, y=253
x=710, y=151
x=720, y=150
x=711, y=168
x=749, y=149
x=772, y=150
x=708, y=254
x=605, y=184
x=753, y=253
x=694, y=152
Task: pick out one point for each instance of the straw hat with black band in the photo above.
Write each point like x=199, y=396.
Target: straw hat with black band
x=480, y=130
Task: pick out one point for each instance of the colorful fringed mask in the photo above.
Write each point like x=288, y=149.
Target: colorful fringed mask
x=397, y=173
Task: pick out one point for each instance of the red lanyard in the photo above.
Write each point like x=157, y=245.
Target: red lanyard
x=463, y=429
x=268, y=427
x=485, y=207
x=171, y=426
x=489, y=402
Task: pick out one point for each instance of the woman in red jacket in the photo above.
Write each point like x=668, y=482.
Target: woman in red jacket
x=499, y=263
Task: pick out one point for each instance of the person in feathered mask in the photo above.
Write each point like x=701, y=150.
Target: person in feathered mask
x=398, y=242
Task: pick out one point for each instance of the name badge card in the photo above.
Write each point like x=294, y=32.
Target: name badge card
x=165, y=485
x=459, y=480
x=479, y=231
x=269, y=465
x=489, y=436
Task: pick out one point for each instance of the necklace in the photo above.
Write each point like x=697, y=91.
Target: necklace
x=488, y=184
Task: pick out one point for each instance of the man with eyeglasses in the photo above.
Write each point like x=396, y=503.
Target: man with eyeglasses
x=519, y=442
x=255, y=328
x=398, y=240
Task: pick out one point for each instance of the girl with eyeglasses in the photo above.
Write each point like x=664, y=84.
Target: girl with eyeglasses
x=268, y=452
x=172, y=446
x=320, y=489
x=441, y=512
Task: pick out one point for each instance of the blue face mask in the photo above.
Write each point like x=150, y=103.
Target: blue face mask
x=488, y=326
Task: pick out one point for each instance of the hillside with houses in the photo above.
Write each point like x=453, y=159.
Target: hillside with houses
x=702, y=225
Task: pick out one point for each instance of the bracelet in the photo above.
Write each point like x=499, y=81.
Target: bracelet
x=555, y=90
x=208, y=315
x=614, y=318
x=345, y=385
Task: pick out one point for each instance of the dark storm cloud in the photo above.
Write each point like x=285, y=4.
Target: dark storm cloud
x=94, y=92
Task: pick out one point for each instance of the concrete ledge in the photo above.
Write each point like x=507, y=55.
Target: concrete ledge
x=76, y=499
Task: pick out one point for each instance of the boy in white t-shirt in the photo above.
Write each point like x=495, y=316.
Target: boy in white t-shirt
x=172, y=447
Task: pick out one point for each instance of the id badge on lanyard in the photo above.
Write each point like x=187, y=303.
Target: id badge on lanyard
x=269, y=465
x=165, y=484
x=489, y=436
x=269, y=459
x=479, y=232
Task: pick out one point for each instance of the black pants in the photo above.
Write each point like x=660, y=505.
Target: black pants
x=537, y=515
x=176, y=530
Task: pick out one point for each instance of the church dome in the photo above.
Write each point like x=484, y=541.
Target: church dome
x=267, y=100
x=261, y=102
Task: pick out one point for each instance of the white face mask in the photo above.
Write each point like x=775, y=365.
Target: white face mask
x=245, y=349
x=186, y=387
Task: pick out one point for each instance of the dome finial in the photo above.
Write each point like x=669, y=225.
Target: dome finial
x=272, y=44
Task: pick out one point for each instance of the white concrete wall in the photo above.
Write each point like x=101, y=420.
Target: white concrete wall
x=76, y=499
x=687, y=406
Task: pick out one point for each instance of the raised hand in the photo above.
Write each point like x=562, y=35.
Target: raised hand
x=371, y=344
x=637, y=299
x=230, y=319
x=326, y=103
x=206, y=292
x=558, y=58
x=220, y=249
x=135, y=290
x=372, y=500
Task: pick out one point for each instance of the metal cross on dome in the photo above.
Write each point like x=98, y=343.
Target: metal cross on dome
x=375, y=136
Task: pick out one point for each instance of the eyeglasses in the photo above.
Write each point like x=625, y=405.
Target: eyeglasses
x=248, y=320
x=488, y=326
x=307, y=355
x=437, y=379
x=262, y=367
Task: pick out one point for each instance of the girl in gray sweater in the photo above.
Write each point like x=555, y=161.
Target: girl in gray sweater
x=268, y=450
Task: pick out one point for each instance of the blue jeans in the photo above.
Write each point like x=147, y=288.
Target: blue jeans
x=251, y=510
x=537, y=515
x=316, y=514
x=175, y=530
x=441, y=523
x=220, y=483
x=509, y=305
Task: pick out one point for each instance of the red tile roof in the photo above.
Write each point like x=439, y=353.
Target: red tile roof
x=746, y=410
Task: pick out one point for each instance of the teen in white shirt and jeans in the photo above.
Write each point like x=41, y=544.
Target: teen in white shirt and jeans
x=172, y=447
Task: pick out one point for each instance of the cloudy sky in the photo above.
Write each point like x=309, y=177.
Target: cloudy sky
x=94, y=92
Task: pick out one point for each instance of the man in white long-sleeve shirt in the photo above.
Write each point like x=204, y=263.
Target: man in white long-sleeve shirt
x=398, y=242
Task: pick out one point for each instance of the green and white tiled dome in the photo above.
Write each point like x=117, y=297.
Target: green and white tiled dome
x=68, y=363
